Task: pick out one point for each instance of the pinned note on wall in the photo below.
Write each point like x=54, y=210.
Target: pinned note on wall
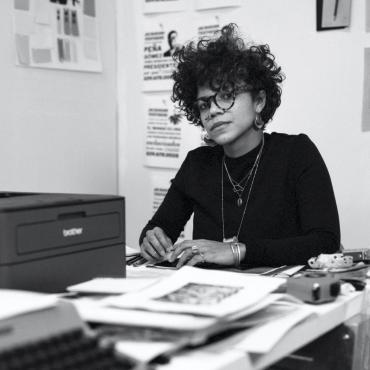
x=57, y=34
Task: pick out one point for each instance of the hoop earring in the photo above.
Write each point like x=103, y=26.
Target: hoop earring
x=207, y=140
x=258, y=122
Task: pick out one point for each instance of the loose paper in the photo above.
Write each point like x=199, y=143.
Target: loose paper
x=18, y=302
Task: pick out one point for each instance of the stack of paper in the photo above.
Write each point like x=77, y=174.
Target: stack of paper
x=188, y=307
x=196, y=291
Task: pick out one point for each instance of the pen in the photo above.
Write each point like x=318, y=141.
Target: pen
x=335, y=9
x=140, y=261
x=132, y=260
x=273, y=271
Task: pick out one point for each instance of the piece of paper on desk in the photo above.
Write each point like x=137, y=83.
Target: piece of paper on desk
x=144, y=351
x=131, y=251
x=18, y=302
x=263, y=338
x=98, y=312
x=107, y=285
x=202, y=292
x=144, y=272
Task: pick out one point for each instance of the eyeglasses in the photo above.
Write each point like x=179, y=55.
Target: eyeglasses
x=223, y=100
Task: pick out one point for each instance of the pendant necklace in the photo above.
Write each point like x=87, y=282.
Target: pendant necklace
x=238, y=188
x=252, y=175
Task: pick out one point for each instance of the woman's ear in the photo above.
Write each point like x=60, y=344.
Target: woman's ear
x=260, y=101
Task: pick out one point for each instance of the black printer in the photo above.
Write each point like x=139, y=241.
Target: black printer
x=50, y=241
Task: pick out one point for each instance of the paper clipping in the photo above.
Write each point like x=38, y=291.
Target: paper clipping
x=51, y=35
x=160, y=41
x=168, y=135
x=160, y=183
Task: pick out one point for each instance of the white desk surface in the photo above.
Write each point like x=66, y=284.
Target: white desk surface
x=223, y=355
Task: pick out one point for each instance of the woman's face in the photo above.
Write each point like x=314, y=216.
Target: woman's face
x=233, y=125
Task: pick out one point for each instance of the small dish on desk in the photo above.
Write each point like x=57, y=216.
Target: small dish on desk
x=336, y=262
x=330, y=261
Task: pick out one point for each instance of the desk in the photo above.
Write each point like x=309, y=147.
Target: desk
x=228, y=354
x=347, y=347
x=222, y=355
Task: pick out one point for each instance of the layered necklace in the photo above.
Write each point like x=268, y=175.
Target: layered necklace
x=238, y=189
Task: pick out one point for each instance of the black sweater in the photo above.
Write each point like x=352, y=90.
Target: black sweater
x=291, y=215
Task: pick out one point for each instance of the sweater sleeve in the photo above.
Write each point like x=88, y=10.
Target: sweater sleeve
x=316, y=209
x=176, y=208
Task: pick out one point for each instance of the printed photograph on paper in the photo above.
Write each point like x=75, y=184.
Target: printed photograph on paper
x=200, y=294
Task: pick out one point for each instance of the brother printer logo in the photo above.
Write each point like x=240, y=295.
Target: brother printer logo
x=72, y=232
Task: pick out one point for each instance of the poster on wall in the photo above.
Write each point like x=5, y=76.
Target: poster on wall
x=332, y=14
x=161, y=40
x=58, y=34
x=208, y=26
x=160, y=183
x=168, y=135
x=213, y=4
x=163, y=6
x=366, y=92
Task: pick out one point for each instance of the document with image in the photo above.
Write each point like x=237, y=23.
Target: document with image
x=198, y=291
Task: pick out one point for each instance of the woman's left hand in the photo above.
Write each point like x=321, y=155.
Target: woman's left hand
x=201, y=251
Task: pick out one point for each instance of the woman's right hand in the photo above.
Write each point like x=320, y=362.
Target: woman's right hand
x=156, y=245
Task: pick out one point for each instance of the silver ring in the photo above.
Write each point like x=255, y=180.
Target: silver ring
x=194, y=249
x=202, y=257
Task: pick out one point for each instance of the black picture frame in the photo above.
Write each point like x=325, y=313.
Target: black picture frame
x=333, y=14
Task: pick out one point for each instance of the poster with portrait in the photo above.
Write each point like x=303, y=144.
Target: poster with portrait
x=168, y=135
x=160, y=183
x=160, y=40
x=60, y=34
x=163, y=6
x=213, y=4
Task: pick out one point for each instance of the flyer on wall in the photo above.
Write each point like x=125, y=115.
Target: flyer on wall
x=163, y=6
x=160, y=41
x=49, y=34
x=207, y=26
x=213, y=4
x=168, y=135
x=160, y=183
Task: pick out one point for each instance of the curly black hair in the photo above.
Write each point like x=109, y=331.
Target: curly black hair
x=226, y=61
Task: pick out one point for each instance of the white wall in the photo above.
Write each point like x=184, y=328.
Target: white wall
x=58, y=129
x=322, y=96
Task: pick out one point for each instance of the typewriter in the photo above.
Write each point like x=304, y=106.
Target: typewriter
x=54, y=338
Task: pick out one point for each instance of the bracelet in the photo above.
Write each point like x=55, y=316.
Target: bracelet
x=234, y=253
x=235, y=248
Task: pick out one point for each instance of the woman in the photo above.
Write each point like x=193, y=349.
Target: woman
x=258, y=199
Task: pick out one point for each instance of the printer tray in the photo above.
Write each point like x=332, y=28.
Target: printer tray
x=55, y=273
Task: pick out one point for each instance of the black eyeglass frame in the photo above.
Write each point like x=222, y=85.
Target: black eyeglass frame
x=213, y=97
